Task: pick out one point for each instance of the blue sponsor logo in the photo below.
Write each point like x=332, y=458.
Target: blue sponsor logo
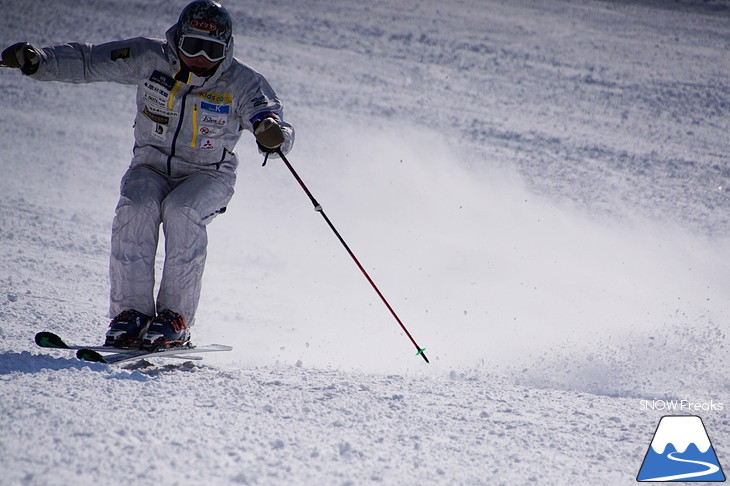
x=222, y=109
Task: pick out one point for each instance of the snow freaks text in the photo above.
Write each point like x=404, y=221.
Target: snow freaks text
x=680, y=406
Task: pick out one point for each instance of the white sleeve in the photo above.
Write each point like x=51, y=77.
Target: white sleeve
x=120, y=61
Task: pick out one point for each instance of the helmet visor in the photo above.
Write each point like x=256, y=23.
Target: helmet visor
x=193, y=46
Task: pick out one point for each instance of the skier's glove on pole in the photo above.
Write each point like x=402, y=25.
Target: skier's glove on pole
x=268, y=134
x=22, y=56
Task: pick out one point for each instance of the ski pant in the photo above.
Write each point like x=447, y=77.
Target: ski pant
x=183, y=207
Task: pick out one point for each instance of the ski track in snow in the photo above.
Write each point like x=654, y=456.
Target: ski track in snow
x=539, y=188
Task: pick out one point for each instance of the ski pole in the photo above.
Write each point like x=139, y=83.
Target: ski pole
x=318, y=208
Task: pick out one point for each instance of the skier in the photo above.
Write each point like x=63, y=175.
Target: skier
x=193, y=100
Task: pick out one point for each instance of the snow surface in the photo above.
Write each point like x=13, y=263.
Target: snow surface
x=539, y=188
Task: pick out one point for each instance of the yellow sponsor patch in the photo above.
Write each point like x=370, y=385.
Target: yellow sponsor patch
x=225, y=98
x=123, y=53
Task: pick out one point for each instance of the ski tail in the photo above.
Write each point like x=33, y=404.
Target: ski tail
x=90, y=355
x=47, y=339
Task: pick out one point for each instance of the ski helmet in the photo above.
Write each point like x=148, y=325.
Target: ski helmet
x=205, y=18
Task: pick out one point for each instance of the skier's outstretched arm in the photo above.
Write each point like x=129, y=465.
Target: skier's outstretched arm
x=76, y=62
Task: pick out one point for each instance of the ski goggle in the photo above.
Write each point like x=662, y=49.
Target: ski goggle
x=193, y=46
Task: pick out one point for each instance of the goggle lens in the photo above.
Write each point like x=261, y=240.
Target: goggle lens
x=212, y=50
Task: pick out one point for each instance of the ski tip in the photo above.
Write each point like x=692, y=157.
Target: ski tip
x=47, y=339
x=90, y=355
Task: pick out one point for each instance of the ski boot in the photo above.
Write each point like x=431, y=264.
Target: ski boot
x=167, y=330
x=126, y=329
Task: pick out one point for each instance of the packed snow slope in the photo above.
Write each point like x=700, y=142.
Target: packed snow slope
x=540, y=189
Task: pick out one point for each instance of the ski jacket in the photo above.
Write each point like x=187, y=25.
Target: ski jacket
x=184, y=123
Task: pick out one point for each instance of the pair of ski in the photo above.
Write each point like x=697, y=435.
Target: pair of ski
x=106, y=354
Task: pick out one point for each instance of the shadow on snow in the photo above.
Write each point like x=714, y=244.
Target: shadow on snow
x=25, y=362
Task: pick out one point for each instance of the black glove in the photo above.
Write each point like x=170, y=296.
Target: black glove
x=22, y=56
x=269, y=134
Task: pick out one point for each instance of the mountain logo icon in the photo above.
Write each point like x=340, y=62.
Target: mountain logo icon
x=680, y=451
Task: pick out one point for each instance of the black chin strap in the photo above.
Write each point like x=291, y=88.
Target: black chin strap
x=183, y=74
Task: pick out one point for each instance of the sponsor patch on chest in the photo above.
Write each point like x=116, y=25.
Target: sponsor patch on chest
x=224, y=98
x=156, y=95
x=220, y=109
x=163, y=80
x=153, y=100
x=213, y=119
x=160, y=131
x=156, y=117
x=210, y=131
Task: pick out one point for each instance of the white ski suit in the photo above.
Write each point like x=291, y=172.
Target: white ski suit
x=183, y=169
